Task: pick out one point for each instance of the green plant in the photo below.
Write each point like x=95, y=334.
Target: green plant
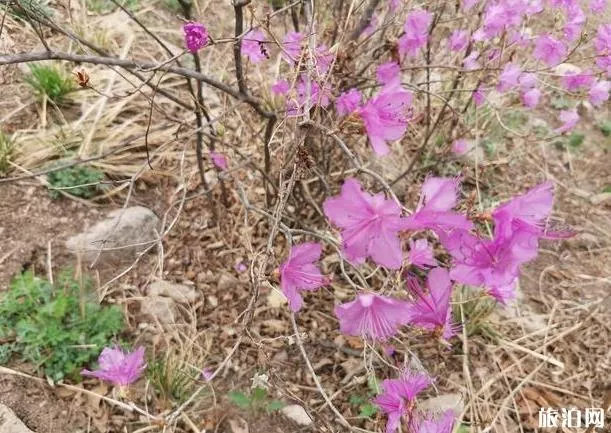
x=605, y=128
x=363, y=402
x=7, y=148
x=576, y=139
x=173, y=379
x=80, y=180
x=256, y=401
x=477, y=310
x=172, y=5
x=106, y=6
x=53, y=326
x=50, y=82
x=30, y=8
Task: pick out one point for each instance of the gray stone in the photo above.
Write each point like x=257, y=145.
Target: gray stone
x=159, y=308
x=124, y=232
x=178, y=292
x=297, y=414
x=9, y=423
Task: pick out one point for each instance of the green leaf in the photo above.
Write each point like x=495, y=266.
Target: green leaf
x=560, y=103
x=607, y=188
x=368, y=410
x=239, y=399
x=605, y=128
x=373, y=384
x=356, y=400
x=576, y=139
x=274, y=405
x=258, y=395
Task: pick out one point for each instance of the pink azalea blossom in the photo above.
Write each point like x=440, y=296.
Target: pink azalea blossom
x=528, y=211
x=399, y=394
x=281, y=87
x=308, y=94
x=432, y=311
x=527, y=81
x=460, y=147
x=438, y=197
x=443, y=424
x=549, y=50
x=118, y=367
x=602, y=44
x=299, y=273
x=569, y=120
x=388, y=74
x=196, y=36
x=479, y=97
x=385, y=117
x=573, y=81
x=372, y=316
x=207, y=374
x=572, y=31
x=416, y=32
x=323, y=58
x=458, y=40
x=291, y=47
x=530, y=98
x=219, y=160
x=348, y=102
x=508, y=79
x=240, y=267
x=599, y=92
x=371, y=27
x=598, y=6
x=370, y=225
x=519, y=39
x=253, y=46
x=470, y=63
x=495, y=20
x=468, y=4
x=493, y=264
x=394, y=5
x=421, y=253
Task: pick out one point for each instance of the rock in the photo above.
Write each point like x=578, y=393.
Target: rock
x=227, y=282
x=178, y=292
x=237, y=425
x=443, y=402
x=296, y=413
x=125, y=232
x=9, y=423
x=159, y=308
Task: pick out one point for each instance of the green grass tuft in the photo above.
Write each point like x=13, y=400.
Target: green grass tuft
x=7, y=149
x=80, y=181
x=51, y=82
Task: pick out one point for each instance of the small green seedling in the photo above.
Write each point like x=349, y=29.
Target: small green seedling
x=50, y=82
x=576, y=139
x=79, y=180
x=363, y=402
x=605, y=128
x=255, y=401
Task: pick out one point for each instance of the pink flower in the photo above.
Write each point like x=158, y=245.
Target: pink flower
x=371, y=27
x=388, y=74
x=432, y=311
x=416, y=32
x=602, y=44
x=468, y=4
x=421, y=253
x=571, y=31
x=196, y=36
x=370, y=225
x=307, y=98
x=323, y=58
x=470, y=63
x=299, y=272
x=458, y=40
x=479, y=97
x=530, y=98
x=444, y=424
x=493, y=264
x=348, y=102
x=598, y=6
x=438, y=197
x=118, y=367
x=573, y=81
x=528, y=211
x=569, y=119
x=240, y=267
x=385, y=117
x=599, y=92
x=219, y=160
x=398, y=394
x=291, y=46
x=460, y=147
x=549, y=50
x=527, y=81
x=372, y=316
x=508, y=79
x=253, y=45
x=207, y=374
x=393, y=5
x=281, y=87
